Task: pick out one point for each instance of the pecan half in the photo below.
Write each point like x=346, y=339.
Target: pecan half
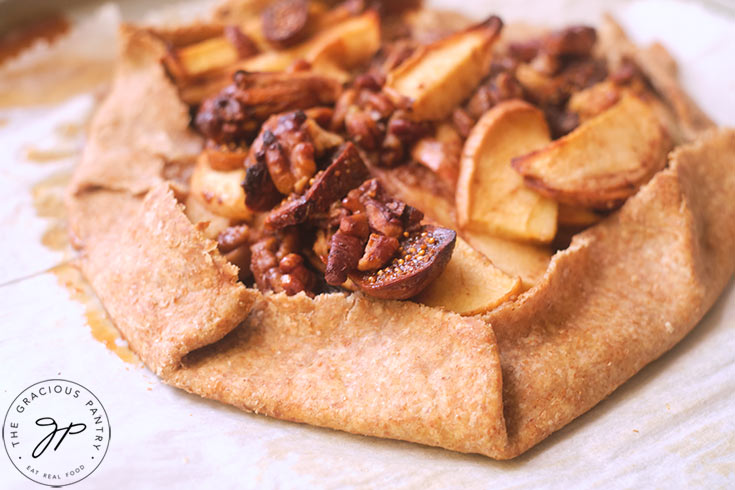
x=345, y=172
x=288, y=146
x=233, y=237
x=277, y=266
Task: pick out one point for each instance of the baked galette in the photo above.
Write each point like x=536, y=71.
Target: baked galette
x=394, y=222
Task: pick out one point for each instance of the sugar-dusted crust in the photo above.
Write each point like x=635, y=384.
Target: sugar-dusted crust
x=624, y=292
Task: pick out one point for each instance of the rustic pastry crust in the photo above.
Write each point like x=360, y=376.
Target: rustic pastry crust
x=131, y=140
x=165, y=285
x=622, y=294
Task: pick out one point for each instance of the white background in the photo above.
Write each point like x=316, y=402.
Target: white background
x=671, y=426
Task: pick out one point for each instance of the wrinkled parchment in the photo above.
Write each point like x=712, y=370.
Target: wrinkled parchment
x=672, y=425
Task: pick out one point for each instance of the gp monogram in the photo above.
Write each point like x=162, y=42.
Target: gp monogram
x=56, y=432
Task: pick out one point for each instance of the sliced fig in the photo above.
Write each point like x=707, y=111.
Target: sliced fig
x=424, y=254
x=284, y=21
x=346, y=172
x=260, y=192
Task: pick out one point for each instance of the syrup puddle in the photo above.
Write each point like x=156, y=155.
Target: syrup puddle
x=48, y=200
x=100, y=325
x=36, y=155
x=51, y=82
x=49, y=77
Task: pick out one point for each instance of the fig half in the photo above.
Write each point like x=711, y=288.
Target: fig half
x=284, y=22
x=423, y=255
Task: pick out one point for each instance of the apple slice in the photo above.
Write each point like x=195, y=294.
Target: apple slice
x=345, y=45
x=491, y=197
x=210, y=224
x=527, y=261
x=421, y=188
x=437, y=77
x=470, y=284
x=602, y=162
x=334, y=50
x=594, y=100
x=577, y=217
x=220, y=192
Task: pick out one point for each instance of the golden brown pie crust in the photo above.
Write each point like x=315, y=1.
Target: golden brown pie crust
x=620, y=296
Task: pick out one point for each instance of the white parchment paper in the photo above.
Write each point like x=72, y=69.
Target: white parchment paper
x=671, y=426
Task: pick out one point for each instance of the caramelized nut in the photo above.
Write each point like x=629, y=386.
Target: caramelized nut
x=290, y=262
x=355, y=225
x=260, y=193
x=379, y=250
x=575, y=41
x=345, y=172
x=344, y=254
x=233, y=237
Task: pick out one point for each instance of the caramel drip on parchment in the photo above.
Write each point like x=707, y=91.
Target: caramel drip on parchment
x=48, y=200
x=100, y=325
x=37, y=155
x=53, y=79
x=51, y=83
x=48, y=29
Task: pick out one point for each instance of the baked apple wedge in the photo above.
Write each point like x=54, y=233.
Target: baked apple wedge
x=437, y=77
x=220, y=192
x=577, y=217
x=470, y=284
x=525, y=260
x=344, y=45
x=602, y=162
x=491, y=197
